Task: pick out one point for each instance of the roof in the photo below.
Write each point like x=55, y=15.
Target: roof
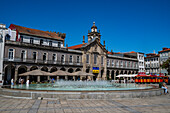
x=76, y=46
x=35, y=32
x=168, y=49
x=110, y=53
x=151, y=56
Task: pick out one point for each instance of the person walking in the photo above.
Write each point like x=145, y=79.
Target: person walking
x=12, y=82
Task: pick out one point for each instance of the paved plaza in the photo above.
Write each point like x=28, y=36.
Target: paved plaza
x=157, y=104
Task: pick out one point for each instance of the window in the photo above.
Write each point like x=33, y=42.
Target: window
x=71, y=59
x=23, y=55
x=41, y=42
x=59, y=44
x=45, y=57
x=31, y=40
x=34, y=55
x=121, y=63
x=102, y=60
x=11, y=54
x=95, y=59
x=7, y=37
x=62, y=58
x=21, y=37
x=50, y=43
x=78, y=59
x=112, y=63
x=54, y=57
x=107, y=62
x=117, y=63
x=87, y=58
x=125, y=64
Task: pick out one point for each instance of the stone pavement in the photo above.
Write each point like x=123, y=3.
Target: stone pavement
x=160, y=104
x=157, y=104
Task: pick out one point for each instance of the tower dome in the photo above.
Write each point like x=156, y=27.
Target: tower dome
x=94, y=28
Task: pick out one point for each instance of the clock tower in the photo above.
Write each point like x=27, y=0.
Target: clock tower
x=94, y=33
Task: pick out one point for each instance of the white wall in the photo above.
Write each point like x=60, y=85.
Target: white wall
x=26, y=39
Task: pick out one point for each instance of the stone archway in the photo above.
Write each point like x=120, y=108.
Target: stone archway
x=9, y=74
x=112, y=75
x=121, y=72
x=78, y=69
x=63, y=69
x=33, y=68
x=87, y=70
x=44, y=69
x=108, y=73
x=117, y=72
x=129, y=72
x=70, y=70
x=22, y=69
x=53, y=69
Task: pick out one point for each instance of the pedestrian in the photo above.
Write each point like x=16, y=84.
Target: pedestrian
x=119, y=80
x=27, y=83
x=12, y=81
x=165, y=88
x=20, y=80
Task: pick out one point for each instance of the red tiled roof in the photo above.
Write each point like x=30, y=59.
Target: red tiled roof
x=132, y=52
x=36, y=32
x=76, y=46
x=110, y=53
x=165, y=50
x=155, y=55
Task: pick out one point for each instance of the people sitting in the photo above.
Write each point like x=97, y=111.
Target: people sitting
x=165, y=88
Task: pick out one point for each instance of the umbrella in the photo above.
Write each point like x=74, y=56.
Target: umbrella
x=60, y=73
x=81, y=73
x=36, y=73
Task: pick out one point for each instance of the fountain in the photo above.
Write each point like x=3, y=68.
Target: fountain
x=81, y=86
x=81, y=90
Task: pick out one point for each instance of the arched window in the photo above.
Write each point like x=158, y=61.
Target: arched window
x=11, y=54
x=7, y=37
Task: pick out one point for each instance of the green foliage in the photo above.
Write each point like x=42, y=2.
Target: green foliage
x=166, y=64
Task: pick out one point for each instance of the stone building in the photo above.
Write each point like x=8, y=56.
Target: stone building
x=164, y=55
x=29, y=49
x=152, y=64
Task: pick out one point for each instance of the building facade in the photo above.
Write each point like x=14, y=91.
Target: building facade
x=29, y=49
x=152, y=64
x=164, y=55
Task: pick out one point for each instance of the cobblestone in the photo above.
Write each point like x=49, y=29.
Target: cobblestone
x=156, y=104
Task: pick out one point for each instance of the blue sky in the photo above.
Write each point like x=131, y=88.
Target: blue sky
x=125, y=25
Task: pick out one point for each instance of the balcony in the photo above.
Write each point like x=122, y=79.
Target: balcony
x=40, y=61
x=122, y=67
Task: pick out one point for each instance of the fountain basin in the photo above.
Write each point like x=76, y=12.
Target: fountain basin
x=103, y=90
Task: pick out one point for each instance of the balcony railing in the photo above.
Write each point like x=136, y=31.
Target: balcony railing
x=122, y=66
x=40, y=61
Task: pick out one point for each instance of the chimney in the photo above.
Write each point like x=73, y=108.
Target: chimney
x=111, y=51
x=154, y=51
x=67, y=46
x=104, y=44
x=83, y=39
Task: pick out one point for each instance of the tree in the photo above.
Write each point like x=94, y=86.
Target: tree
x=166, y=65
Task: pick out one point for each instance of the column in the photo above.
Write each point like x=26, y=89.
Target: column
x=74, y=78
x=66, y=77
x=114, y=74
x=28, y=77
x=48, y=77
x=16, y=75
x=57, y=78
x=38, y=79
x=110, y=75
